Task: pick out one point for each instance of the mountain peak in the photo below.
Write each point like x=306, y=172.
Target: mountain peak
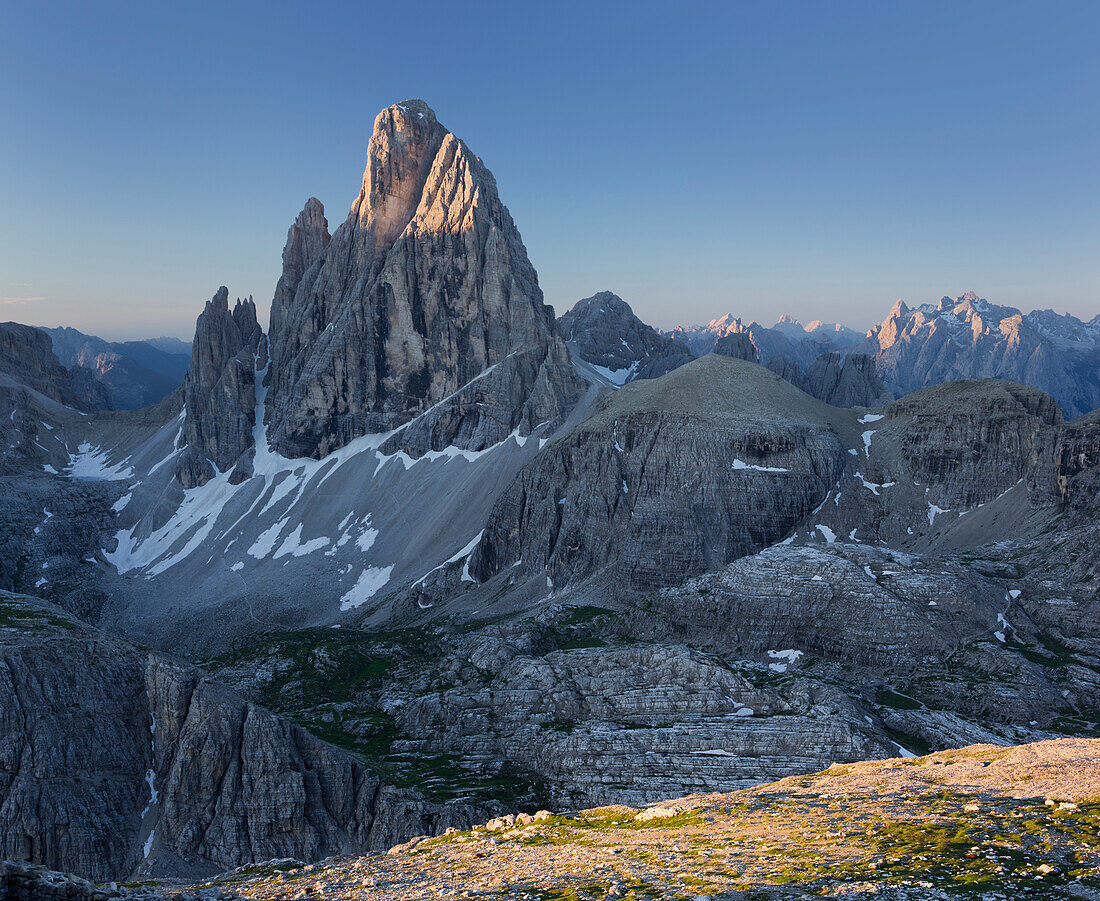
x=425, y=286
x=415, y=107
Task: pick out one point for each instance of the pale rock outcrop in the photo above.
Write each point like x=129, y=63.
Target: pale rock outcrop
x=969, y=337
x=220, y=391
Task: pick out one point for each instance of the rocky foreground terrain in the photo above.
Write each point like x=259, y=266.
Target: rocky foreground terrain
x=978, y=822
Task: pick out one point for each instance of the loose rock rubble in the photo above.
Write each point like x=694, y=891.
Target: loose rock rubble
x=954, y=824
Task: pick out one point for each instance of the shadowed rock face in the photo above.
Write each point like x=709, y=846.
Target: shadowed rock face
x=155, y=769
x=606, y=333
x=737, y=345
x=672, y=478
x=786, y=369
x=849, y=381
x=1078, y=463
x=26, y=353
x=424, y=287
x=220, y=390
x=305, y=243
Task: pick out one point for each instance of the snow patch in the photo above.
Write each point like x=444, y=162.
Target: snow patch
x=830, y=535
x=873, y=487
x=150, y=780
x=617, y=377
x=293, y=544
x=371, y=580
x=265, y=543
x=465, y=552
x=933, y=511
x=784, y=659
x=741, y=464
x=93, y=464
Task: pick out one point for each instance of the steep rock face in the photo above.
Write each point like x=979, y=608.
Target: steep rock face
x=305, y=243
x=786, y=369
x=969, y=337
x=90, y=392
x=849, y=381
x=423, y=288
x=220, y=390
x=115, y=760
x=737, y=345
x=27, y=355
x=671, y=478
x=634, y=724
x=1077, y=465
x=972, y=439
x=607, y=334
x=963, y=463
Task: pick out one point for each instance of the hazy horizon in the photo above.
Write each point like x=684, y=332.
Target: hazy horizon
x=263, y=310
x=815, y=161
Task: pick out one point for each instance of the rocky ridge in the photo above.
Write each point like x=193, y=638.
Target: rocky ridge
x=968, y=337
x=157, y=769
x=722, y=453
x=999, y=823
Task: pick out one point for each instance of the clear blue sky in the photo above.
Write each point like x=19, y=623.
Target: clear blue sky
x=817, y=158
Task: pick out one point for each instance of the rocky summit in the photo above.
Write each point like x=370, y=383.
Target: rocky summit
x=424, y=288
x=412, y=555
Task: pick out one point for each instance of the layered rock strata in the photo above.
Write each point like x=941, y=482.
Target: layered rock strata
x=670, y=478
x=157, y=769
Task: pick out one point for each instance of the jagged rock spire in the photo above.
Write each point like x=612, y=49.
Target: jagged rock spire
x=306, y=241
x=220, y=388
x=424, y=286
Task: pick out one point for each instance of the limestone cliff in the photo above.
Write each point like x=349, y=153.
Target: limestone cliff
x=672, y=478
x=220, y=390
x=422, y=290
x=154, y=768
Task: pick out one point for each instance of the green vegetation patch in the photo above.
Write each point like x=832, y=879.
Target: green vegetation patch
x=23, y=617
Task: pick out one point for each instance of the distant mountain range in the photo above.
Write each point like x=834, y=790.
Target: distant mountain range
x=956, y=338
x=135, y=373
